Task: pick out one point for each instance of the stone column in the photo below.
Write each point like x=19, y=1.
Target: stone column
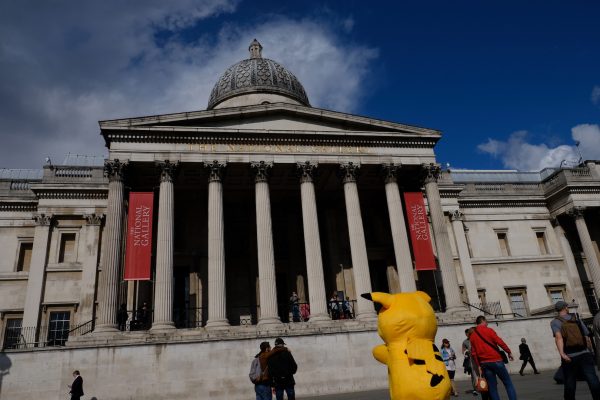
x=572, y=271
x=37, y=276
x=358, y=247
x=108, y=285
x=217, y=312
x=264, y=240
x=463, y=254
x=587, y=245
x=90, y=260
x=442, y=240
x=312, y=244
x=398, y=225
x=163, y=284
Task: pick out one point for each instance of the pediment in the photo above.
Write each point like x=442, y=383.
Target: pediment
x=278, y=117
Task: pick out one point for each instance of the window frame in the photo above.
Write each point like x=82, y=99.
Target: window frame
x=504, y=232
x=67, y=231
x=557, y=288
x=546, y=246
x=518, y=290
x=6, y=318
x=52, y=310
x=20, y=242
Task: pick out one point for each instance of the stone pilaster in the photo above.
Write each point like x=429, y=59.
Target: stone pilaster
x=217, y=311
x=358, y=247
x=399, y=235
x=264, y=240
x=90, y=259
x=442, y=240
x=163, y=284
x=108, y=285
x=572, y=272
x=587, y=245
x=37, y=275
x=463, y=254
x=312, y=244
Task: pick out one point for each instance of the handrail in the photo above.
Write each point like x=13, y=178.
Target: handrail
x=80, y=330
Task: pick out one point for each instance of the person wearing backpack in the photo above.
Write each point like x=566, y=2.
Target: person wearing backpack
x=282, y=368
x=259, y=373
x=574, y=347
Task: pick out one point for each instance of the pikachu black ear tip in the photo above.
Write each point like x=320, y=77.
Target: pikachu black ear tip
x=366, y=296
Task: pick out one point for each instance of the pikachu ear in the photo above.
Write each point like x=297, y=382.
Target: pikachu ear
x=384, y=299
x=423, y=295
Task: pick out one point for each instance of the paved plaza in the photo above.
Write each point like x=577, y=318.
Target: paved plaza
x=529, y=387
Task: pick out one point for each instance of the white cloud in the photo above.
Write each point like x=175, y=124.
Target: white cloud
x=517, y=153
x=66, y=66
x=595, y=97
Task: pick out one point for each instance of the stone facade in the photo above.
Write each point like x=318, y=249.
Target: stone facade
x=253, y=200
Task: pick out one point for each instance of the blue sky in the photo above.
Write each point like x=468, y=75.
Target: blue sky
x=511, y=84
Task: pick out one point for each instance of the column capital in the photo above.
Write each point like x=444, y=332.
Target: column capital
x=42, y=219
x=168, y=170
x=307, y=171
x=261, y=170
x=93, y=219
x=555, y=222
x=431, y=172
x=216, y=170
x=390, y=172
x=349, y=171
x=576, y=212
x=456, y=215
x=115, y=170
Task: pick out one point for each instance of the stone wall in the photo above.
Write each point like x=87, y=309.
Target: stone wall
x=217, y=369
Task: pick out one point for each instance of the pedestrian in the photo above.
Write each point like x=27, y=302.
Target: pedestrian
x=347, y=307
x=259, y=374
x=489, y=360
x=334, y=307
x=77, y=386
x=295, y=304
x=282, y=368
x=574, y=347
x=472, y=365
x=449, y=357
x=122, y=317
x=526, y=357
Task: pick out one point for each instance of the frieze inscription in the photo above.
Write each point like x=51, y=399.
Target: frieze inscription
x=275, y=148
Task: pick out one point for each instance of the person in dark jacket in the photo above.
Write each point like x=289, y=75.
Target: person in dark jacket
x=77, y=386
x=122, y=317
x=526, y=357
x=282, y=368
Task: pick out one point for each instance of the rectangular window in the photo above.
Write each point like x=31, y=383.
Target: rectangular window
x=463, y=294
x=541, y=240
x=481, y=295
x=12, y=333
x=503, y=242
x=58, y=328
x=24, y=260
x=518, y=302
x=67, y=248
x=556, y=293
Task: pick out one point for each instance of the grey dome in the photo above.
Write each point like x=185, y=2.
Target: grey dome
x=257, y=75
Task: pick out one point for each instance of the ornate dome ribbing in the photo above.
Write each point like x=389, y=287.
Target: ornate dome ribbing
x=257, y=75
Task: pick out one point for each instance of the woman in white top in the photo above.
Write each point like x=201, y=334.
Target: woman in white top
x=449, y=357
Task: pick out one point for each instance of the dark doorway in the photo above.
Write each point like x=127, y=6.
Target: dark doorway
x=181, y=296
x=379, y=280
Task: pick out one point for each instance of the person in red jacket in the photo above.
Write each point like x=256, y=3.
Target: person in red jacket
x=484, y=350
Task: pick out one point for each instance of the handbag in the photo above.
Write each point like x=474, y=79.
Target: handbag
x=501, y=352
x=481, y=385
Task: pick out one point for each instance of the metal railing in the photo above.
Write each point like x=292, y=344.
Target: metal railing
x=341, y=309
x=83, y=329
x=492, y=308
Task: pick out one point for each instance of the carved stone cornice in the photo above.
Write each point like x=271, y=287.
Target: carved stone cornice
x=390, y=172
x=42, y=219
x=576, y=212
x=168, y=170
x=93, y=219
x=261, y=170
x=456, y=215
x=216, y=170
x=73, y=194
x=349, y=171
x=307, y=171
x=115, y=170
x=431, y=172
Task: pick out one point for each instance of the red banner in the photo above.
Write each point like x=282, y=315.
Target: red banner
x=139, y=236
x=419, y=231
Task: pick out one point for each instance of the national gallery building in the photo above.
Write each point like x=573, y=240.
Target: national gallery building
x=176, y=256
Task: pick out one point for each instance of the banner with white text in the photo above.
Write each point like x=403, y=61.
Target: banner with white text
x=138, y=250
x=419, y=231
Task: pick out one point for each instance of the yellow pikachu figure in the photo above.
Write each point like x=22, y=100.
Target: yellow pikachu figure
x=407, y=325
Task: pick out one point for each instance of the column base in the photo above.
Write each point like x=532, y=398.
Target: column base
x=105, y=329
x=368, y=316
x=269, y=321
x=217, y=324
x=459, y=313
x=162, y=326
x=319, y=319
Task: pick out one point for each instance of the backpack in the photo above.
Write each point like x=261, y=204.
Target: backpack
x=255, y=371
x=573, y=337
